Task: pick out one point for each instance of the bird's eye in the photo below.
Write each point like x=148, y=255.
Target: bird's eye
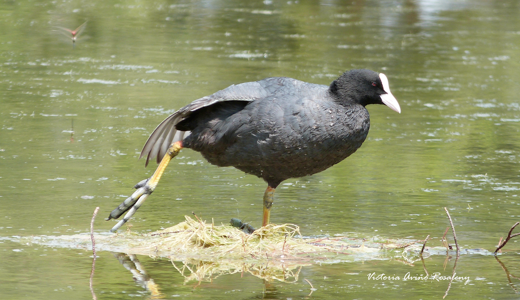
x=374, y=84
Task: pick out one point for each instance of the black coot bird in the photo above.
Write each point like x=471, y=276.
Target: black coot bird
x=276, y=128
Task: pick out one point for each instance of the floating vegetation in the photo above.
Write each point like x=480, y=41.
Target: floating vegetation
x=223, y=241
x=197, y=239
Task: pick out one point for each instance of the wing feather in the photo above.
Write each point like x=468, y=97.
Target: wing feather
x=165, y=134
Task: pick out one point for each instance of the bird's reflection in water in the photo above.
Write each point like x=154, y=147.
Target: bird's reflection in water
x=132, y=264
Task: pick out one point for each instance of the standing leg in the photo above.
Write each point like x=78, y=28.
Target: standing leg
x=268, y=202
x=144, y=189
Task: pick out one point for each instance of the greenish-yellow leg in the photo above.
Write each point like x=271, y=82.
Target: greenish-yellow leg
x=144, y=189
x=268, y=202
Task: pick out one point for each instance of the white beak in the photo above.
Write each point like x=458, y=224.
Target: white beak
x=388, y=99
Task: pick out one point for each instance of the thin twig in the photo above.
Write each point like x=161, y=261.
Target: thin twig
x=453, y=229
x=452, y=276
x=445, y=240
x=169, y=232
x=91, y=283
x=197, y=218
x=509, y=236
x=500, y=243
x=175, y=266
x=402, y=246
x=309, y=282
x=509, y=275
x=424, y=267
x=312, y=287
x=446, y=260
x=424, y=245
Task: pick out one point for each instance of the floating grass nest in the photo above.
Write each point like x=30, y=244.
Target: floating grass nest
x=196, y=236
x=202, y=251
x=197, y=239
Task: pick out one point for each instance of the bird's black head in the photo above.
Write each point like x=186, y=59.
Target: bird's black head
x=364, y=87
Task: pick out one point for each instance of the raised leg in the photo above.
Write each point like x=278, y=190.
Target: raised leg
x=268, y=202
x=144, y=189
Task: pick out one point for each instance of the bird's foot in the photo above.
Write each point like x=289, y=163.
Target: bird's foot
x=242, y=226
x=144, y=189
x=132, y=203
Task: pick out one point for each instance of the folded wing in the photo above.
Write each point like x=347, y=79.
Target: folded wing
x=166, y=133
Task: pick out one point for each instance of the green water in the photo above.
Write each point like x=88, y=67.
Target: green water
x=73, y=121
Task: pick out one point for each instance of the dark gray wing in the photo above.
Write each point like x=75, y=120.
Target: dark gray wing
x=165, y=134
